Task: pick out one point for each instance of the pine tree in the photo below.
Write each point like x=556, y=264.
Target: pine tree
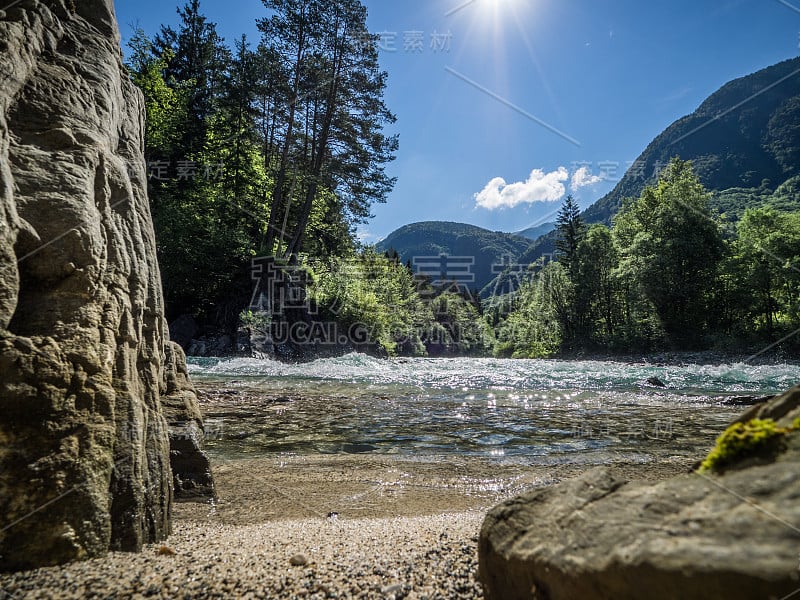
x=236, y=139
x=199, y=60
x=333, y=136
x=570, y=231
x=165, y=103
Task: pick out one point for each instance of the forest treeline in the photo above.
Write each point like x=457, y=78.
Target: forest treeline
x=669, y=273
x=278, y=147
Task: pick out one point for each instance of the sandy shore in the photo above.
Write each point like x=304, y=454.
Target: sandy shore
x=316, y=527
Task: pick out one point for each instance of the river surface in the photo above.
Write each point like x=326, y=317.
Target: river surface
x=524, y=412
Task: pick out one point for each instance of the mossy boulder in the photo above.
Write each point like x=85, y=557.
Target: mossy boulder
x=702, y=535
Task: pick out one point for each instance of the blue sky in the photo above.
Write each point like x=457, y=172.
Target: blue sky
x=504, y=106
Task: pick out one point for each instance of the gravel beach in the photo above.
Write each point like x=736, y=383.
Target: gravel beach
x=433, y=557
x=316, y=527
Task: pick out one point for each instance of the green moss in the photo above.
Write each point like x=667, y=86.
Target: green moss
x=741, y=440
x=796, y=424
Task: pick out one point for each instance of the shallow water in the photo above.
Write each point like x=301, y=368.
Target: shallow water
x=509, y=411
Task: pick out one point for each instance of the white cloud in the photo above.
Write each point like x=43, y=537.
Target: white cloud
x=583, y=178
x=366, y=237
x=540, y=187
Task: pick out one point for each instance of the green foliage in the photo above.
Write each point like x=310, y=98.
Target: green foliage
x=782, y=139
x=787, y=197
x=761, y=265
x=732, y=203
x=201, y=249
x=255, y=320
x=596, y=310
x=198, y=61
x=741, y=440
x=373, y=292
x=533, y=328
x=165, y=102
x=458, y=327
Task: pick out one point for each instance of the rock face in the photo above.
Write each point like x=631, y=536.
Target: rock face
x=84, y=447
x=735, y=535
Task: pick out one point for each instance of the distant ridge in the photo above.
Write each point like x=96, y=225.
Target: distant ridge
x=534, y=233
x=434, y=238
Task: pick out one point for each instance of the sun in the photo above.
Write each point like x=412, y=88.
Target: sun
x=498, y=4
x=482, y=5
x=499, y=9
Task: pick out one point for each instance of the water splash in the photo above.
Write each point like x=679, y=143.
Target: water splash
x=508, y=375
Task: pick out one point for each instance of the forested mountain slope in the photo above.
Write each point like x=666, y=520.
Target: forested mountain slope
x=435, y=238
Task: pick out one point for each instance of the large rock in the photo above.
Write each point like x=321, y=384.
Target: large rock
x=731, y=536
x=84, y=448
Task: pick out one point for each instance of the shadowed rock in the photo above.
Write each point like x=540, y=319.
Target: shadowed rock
x=191, y=470
x=656, y=382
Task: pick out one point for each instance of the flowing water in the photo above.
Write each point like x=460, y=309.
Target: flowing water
x=509, y=411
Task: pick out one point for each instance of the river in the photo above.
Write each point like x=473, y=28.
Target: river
x=523, y=412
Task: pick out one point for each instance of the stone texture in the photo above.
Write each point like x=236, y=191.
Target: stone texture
x=599, y=537
x=84, y=448
x=191, y=469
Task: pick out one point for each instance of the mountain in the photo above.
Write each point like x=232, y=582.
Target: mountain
x=744, y=144
x=472, y=251
x=745, y=136
x=534, y=233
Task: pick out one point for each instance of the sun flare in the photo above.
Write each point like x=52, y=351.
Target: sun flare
x=497, y=4
x=498, y=9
